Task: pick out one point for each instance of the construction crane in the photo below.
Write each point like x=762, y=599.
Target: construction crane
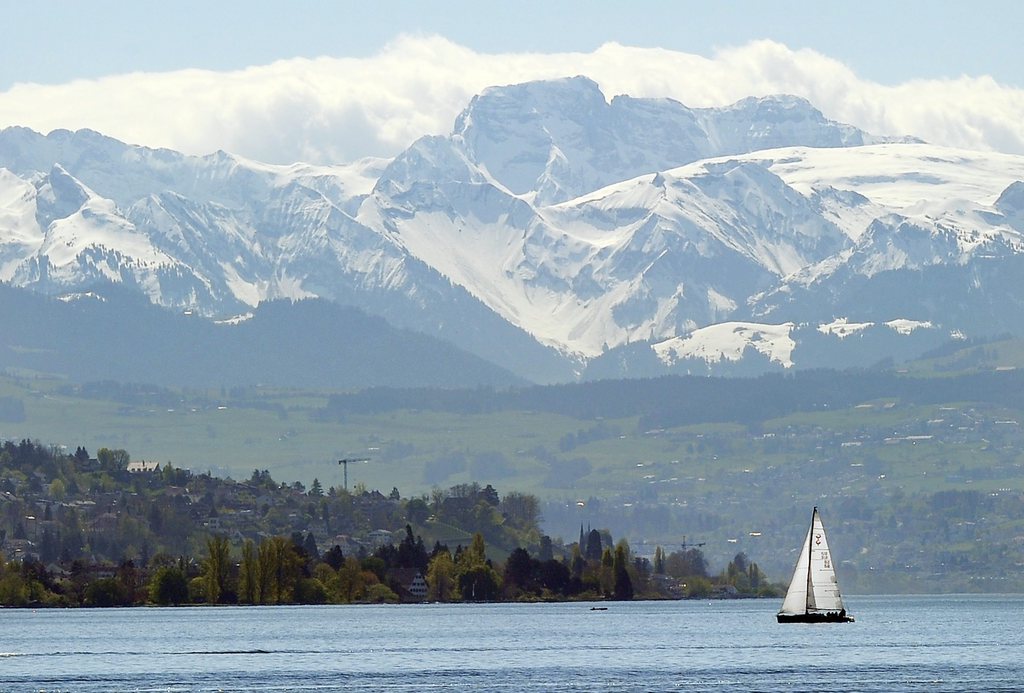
x=344, y=462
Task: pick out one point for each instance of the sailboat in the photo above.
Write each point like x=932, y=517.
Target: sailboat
x=813, y=595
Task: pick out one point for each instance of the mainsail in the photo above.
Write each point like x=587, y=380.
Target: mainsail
x=813, y=589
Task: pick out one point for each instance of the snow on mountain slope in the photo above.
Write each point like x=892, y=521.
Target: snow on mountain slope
x=905, y=178
x=640, y=259
x=842, y=327
x=239, y=233
x=126, y=173
x=19, y=230
x=729, y=341
x=636, y=260
x=74, y=236
x=904, y=206
x=650, y=257
x=951, y=219
x=783, y=346
x=754, y=124
x=904, y=326
x=549, y=216
x=559, y=139
x=693, y=243
x=213, y=243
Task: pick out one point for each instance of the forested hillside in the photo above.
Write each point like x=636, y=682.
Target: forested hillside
x=105, y=531
x=304, y=344
x=927, y=462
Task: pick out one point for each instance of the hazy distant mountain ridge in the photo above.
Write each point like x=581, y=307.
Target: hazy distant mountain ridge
x=551, y=227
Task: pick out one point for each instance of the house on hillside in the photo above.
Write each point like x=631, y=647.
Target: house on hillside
x=21, y=550
x=143, y=467
x=348, y=545
x=105, y=523
x=380, y=537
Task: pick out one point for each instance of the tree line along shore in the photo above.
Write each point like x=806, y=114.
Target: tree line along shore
x=83, y=530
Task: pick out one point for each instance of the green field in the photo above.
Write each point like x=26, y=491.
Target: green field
x=877, y=469
x=519, y=449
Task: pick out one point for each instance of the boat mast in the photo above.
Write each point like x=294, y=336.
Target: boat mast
x=810, y=554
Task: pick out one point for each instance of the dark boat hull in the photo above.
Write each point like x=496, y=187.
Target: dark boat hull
x=826, y=617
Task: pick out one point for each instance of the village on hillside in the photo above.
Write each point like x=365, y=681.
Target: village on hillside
x=108, y=531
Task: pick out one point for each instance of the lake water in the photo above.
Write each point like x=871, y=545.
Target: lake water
x=898, y=643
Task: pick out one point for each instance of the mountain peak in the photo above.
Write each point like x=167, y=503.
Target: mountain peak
x=774, y=102
x=778, y=120
x=59, y=196
x=559, y=139
x=1011, y=200
x=550, y=226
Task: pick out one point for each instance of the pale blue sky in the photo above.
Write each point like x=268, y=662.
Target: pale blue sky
x=887, y=42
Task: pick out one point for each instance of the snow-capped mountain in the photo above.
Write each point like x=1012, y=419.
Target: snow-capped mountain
x=555, y=232
x=559, y=140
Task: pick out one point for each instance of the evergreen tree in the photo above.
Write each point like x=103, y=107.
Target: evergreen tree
x=594, y=550
x=309, y=546
x=623, y=589
x=334, y=557
x=49, y=547
x=547, y=551
x=489, y=495
x=555, y=576
x=411, y=553
x=316, y=489
x=519, y=571
x=659, y=561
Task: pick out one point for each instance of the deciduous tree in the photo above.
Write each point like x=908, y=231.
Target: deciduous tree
x=248, y=577
x=168, y=586
x=441, y=580
x=216, y=568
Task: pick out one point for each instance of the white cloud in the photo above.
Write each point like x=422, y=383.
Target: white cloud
x=339, y=109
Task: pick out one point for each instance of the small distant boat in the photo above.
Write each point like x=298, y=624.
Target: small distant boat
x=813, y=595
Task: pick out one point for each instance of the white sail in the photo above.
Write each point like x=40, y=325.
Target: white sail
x=796, y=598
x=814, y=587
x=823, y=593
